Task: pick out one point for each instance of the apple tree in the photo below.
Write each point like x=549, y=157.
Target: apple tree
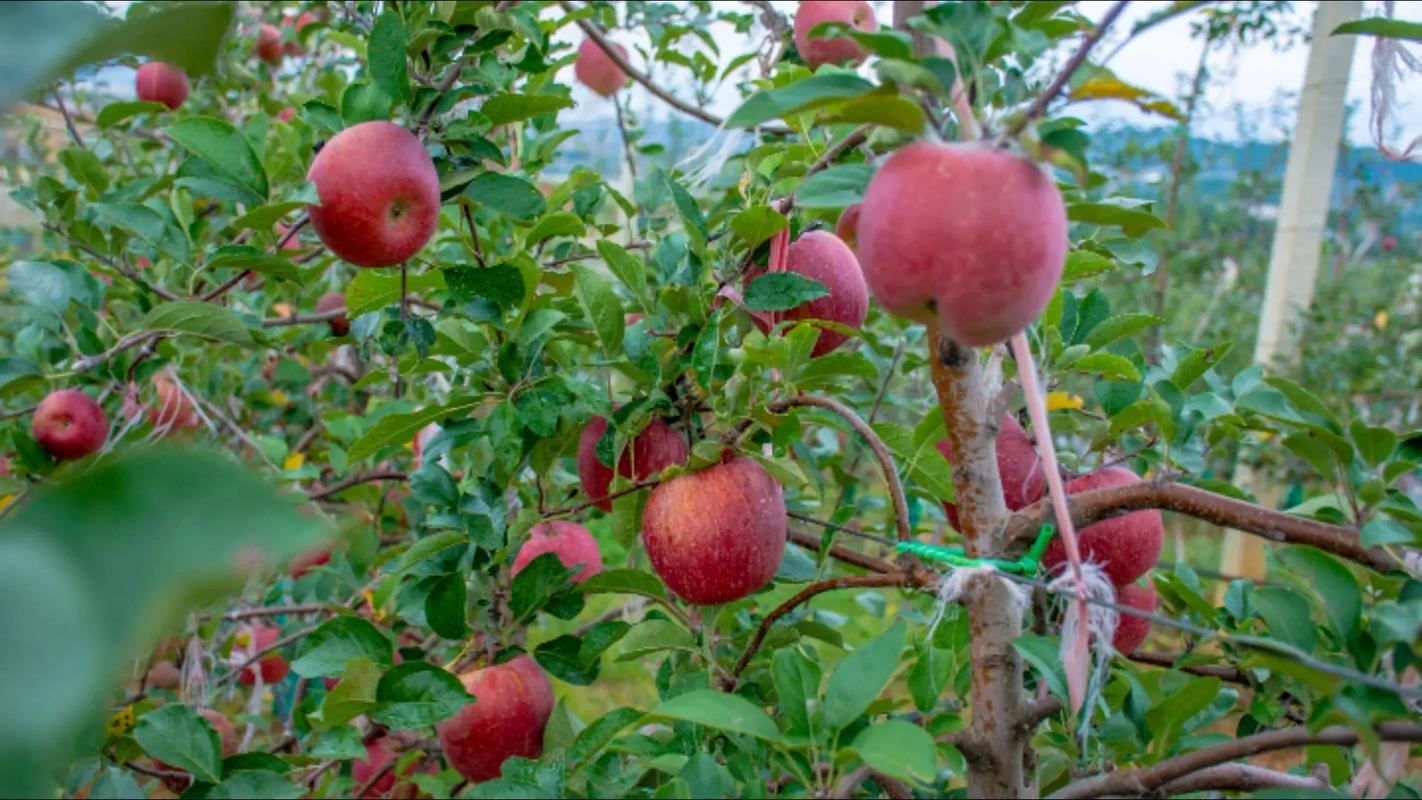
x=362, y=441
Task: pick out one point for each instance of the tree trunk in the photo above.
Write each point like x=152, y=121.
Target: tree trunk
x=1298, y=237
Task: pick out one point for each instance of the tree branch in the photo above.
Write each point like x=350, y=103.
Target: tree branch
x=68, y=120
x=260, y=654
x=445, y=84
x=128, y=342
x=811, y=541
x=272, y=611
x=1145, y=780
x=290, y=234
x=1039, y=105
x=600, y=37
x=1169, y=660
x=323, y=316
x=855, y=138
x=356, y=480
x=1277, y=526
x=1240, y=778
x=576, y=507
x=886, y=460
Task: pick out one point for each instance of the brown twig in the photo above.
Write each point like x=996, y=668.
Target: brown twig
x=364, y=790
x=886, y=460
x=1169, y=661
x=1039, y=105
x=19, y=412
x=558, y=262
x=307, y=319
x=68, y=120
x=356, y=480
x=262, y=653
x=1241, y=778
x=811, y=541
x=1144, y=780
x=576, y=507
x=445, y=84
x=272, y=611
x=128, y=342
x=225, y=286
x=855, y=138
x=1277, y=526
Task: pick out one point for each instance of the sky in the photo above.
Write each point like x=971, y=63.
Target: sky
x=1257, y=84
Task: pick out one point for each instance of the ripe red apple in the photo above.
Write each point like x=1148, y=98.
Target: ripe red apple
x=273, y=665
x=571, y=542
x=377, y=755
x=175, y=411
x=304, y=561
x=513, y=703
x=1018, y=467
x=653, y=450
x=286, y=114
x=1126, y=547
x=158, y=82
x=269, y=46
x=855, y=13
x=69, y=425
x=164, y=675
x=379, y=194
x=822, y=256
x=717, y=535
x=1389, y=244
x=1132, y=630
x=595, y=70
x=294, y=48
x=847, y=228
x=983, y=257
x=340, y=326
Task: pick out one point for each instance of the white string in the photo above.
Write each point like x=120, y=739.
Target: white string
x=1101, y=624
x=953, y=586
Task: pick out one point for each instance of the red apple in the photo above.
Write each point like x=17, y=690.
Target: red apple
x=847, y=228
x=273, y=665
x=983, y=258
x=377, y=755
x=513, y=702
x=286, y=114
x=822, y=256
x=571, y=542
x=69, y=425
x=1126, y=547
x=1018, y=467
x=340, y=326
x=379, y=194
x=595, y=70
x=175, y=411
x=164, y=675
x=158, y=82
x=269, y=46
x=1389, y=244
x=1132, y=630
x=653, y=450
x=816, y=51
x=293, y=48
x=717, y=535
x=304, y=561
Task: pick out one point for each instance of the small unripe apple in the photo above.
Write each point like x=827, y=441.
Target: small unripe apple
x=653, y=450
x=597, y=71
x=379, y=194
x=69, y=425
x=164, y=675
x=572, y=543
x=1132, y=630
x=847, y=228
x=294, y=48
x=513, y=702
x=159, y=82
x=716, y=535
x=855, y=13
x=1125, y=547
x=175, y=410
x=307, y=559
x=273, y=665
x=340, y=326
x=820, y=255
x=269, y=46
x=983, y=258
x=1018, y=468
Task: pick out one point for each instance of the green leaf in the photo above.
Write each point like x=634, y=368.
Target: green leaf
x=629, y=269
x=814, y=91
x=114, y=113
x=1132, y=219
x=385, y=53
x=416, y=694
x=180, y=736
x=797, y=683
x=364, y=102
x=256, y=783
x=599, y=734
x=558, y=223
x=891, y=111
x=835, y=187
x=199, y=319
x=427, y=546
x=445, y=607
x=85, y=168
x=1383, y=27
x=1381, y=531
x=602, y=307
x=326, y=650
x=1196, y=363
x=223, y=148
x=401, y=428
x=39, y=284
x=576, y=659
x=1108, y=365
x=1286, y=612
x=249, y=258
x=725, y=712
x=264, y=217
x=538, y=585
x=509, y=195
x=1083, y=264
x=782, y=291
x=147, y=225
x=625, y=581
x=43, y=40
x=860, y=676
x=501, y=109
x=1374, y=444
x=654, y=636
x=1044, y=655
x=354, y=695
x=1167, y=717
x=500, y=284
x=1119, y=327
x=898, y=749
x=758, y=223
x=373, y=290
x=1337, y=588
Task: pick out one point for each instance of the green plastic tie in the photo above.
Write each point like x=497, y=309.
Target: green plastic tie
x=953, y=556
